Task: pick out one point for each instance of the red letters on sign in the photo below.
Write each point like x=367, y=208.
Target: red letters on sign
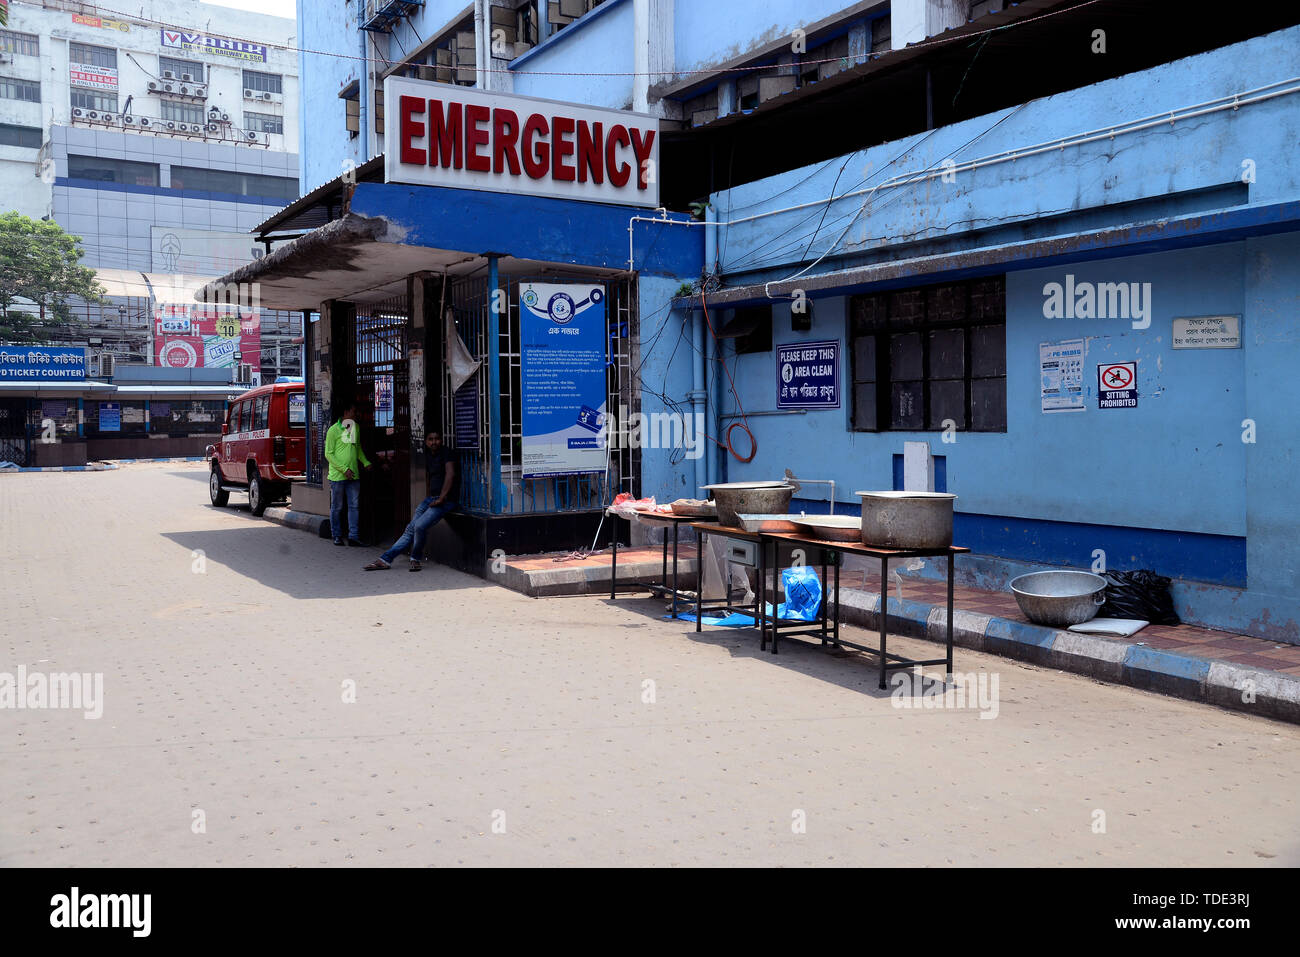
x=505, y=131
x=411, y=129
x=619, y=173
x=642, y=151
x=537, y=154
x=445, y=133
x=589, y=153
x=476, y=116
x=562, y=147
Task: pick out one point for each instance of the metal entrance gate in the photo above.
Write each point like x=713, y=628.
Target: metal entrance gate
x=384, y=406
x=15, y=443
x=469, y=418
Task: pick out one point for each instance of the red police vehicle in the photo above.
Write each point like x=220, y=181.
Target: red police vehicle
x=263, y=446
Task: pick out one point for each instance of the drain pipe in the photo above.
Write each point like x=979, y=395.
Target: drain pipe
x=697, y=397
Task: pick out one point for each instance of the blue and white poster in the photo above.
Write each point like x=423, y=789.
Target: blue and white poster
x=564, y=354
x=110, y=417
x=808, y=375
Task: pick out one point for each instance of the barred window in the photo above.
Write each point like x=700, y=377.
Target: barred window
x=12, y=88
x=263, y=122
x=181, y=68
x=182, y=112
x=93, y=100
x=263, y=82
x=27, y=44
x=92, y=56
x=931, y=357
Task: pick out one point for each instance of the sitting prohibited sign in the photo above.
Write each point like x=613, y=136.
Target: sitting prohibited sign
x=1117, y=385
x=808, y=375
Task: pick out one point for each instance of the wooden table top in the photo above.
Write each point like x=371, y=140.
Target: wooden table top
x=858, y=548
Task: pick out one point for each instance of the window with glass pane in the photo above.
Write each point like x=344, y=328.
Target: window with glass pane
x=12, y=88
x=263, y=123
x=259, y=412
x=108, y=170
x=181, y=68
x=930, y=358
x=263, y=82
x=240, y=184
x=182, y=112
x=92, y=56
x=27, y=136
x=93, y=100
x=297, y=410
x=24, y=44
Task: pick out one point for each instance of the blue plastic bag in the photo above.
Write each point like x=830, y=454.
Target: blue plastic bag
x=803, y=594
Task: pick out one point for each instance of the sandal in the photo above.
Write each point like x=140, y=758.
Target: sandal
x=377, y=565
x=415, y=566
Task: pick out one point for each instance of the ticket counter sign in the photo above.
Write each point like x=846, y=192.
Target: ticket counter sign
x=562, y=375
x=42, y=363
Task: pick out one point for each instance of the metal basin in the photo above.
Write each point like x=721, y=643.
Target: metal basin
x=907, y=519
x=832, y=528
x=1059, y=599
x=769, y=523
x=750, y=498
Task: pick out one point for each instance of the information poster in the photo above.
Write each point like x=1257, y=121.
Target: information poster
x=564, y=354
x=465, y=417
x=110, y=417
x=1061, y=368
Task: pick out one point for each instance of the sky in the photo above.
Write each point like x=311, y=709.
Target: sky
x=276, y=8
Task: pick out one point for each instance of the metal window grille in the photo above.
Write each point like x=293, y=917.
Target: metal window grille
x=12, y=88
x=469, y=300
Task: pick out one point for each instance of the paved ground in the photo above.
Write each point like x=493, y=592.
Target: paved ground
x=477, y=707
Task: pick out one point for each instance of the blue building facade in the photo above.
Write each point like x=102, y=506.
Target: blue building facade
x=978, y=269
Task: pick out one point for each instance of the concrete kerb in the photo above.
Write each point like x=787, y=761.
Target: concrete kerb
x=1268, y=693
x=305, y=521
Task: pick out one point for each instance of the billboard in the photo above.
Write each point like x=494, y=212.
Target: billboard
x=201, y=336
x=214, y=46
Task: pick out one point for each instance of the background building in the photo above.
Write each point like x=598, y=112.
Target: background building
x=160, y=137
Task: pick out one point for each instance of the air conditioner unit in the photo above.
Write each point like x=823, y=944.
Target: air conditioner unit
x=168, y=88
x=128, y=119
x=267, y=97
x=92, y=115
x=201, y=91
x=184, y=91
x=144, y=121
x=248, y=94
x=225, y=117
x=213, y=127
x=78, y=112
x=187, y=78
x=109, y=117
x=168, y=75
x=106, y=363
x=245, y=372
x=153, y=86
x=252, y=136
x=171, y=125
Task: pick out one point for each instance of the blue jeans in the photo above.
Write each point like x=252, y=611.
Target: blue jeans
x=349, y=489
x=426, y=516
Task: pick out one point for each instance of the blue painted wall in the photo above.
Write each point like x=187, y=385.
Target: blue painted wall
x=324, y=143
x=706, y=34
x=600, y=43
x=1169, y=484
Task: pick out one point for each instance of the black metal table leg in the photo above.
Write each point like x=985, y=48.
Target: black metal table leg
x=824, y=611
x=613, y=568
x=761, y=610
x=674, y=612
x=950, y=577
x=700, y=539
x=884, y=615
x=663, y=567
x=839, y=559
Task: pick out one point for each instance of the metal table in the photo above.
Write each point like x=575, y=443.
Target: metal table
x=657, y=589
x=832, y=553
x=746, y=549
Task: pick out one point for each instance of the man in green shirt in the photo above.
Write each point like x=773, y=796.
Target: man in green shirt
x=346, y=459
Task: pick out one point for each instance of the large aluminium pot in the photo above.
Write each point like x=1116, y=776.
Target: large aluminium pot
x=1061, y=598
x=907, y=519
x=748, y=498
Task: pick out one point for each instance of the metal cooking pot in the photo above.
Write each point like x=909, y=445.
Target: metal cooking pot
x=1061, y=598
x=907, y=519
x=752, y=498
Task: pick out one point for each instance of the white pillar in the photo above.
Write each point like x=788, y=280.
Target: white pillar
x=653, y=50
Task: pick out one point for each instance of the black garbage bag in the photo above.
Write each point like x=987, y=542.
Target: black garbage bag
x=1141, y=594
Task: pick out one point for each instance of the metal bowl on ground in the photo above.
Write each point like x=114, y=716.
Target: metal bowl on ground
x=1059, y=599
x=832, y=528
x=769, y=523
x=907, y=519
x=750, y=498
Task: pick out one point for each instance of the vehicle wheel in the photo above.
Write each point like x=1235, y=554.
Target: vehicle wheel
x=258, y=498
x=215, y=492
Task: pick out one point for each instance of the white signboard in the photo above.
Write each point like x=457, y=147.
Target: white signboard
x=1061, y=370
x=436, y=134
x=1207, y=332
x=96, y=77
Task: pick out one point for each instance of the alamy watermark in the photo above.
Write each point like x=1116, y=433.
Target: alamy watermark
x=913, y=690
x=76, y=691
x=654, y=430
x=1098, y=300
